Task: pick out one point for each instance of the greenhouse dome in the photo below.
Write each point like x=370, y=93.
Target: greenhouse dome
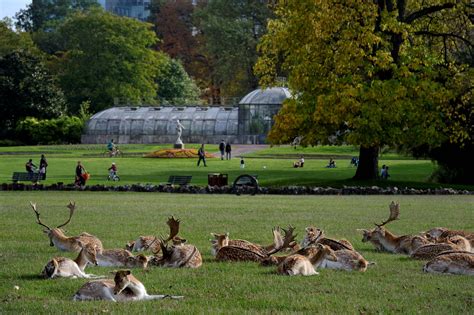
x=247, y=122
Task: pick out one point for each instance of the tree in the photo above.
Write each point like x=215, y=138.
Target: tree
x=107, y=57
x=368, y=73
x=26, y=89
x=11, y=40
x=174, y=84
x=231, y=31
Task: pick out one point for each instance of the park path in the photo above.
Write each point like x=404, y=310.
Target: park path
x=240, y=149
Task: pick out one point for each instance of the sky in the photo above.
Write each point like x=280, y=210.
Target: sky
x=10, y=7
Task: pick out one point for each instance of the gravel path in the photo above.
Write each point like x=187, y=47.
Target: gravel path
x=239, y=149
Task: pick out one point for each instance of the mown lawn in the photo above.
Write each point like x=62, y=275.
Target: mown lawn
x=395, y=284
x=273, y=166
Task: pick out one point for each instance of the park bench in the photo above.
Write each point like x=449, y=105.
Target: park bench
x=25, y=176
x=179, y=180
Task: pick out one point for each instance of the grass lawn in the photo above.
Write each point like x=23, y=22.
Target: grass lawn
x=273, y=166
x=395, y=284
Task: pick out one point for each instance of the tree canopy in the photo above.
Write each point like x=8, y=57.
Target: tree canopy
x=369, y=73
x=107, y=57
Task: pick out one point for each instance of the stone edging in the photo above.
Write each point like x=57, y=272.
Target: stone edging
x=286, y=190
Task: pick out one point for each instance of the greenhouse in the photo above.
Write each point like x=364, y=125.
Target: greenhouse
x=246, y=122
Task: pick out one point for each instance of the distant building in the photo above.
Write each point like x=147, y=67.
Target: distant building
x=247, y=122
x=137, y=9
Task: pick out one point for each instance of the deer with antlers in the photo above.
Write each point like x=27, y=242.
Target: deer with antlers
x=178, y=255
x=314, y=235
x=60, y=240
x=152, y=243
x=391, y=242
x=247, y=251
x=124, y=287
x=61, y=267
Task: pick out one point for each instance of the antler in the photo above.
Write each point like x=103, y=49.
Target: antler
x=394, y=213
x=174, y=228
x=164, y=249
x=72, y=207
x=33, y=205
x=279, y=242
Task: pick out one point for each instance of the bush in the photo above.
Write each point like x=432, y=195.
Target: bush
x=65, y=129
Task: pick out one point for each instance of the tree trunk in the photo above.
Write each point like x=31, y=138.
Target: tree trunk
x=368, y=163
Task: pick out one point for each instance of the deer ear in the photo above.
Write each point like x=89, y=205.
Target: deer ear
x=127, y=272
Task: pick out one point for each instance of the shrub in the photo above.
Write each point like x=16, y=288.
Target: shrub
x=65, y=129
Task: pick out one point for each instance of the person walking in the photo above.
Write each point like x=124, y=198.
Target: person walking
x=43, y=164
x=202, y=155
x=80, y=174
x=222, y=149
x=228, y=150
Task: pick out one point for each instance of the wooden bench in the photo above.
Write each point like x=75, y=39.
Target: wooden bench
x=25, y=176
x=179, y=180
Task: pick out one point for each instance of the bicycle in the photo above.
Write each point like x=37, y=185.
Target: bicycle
x=114, y=153
x=113, y=177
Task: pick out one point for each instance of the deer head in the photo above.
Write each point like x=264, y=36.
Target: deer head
x=56, y=231
x=394, y=214
x=121, y=280
x=279, y=242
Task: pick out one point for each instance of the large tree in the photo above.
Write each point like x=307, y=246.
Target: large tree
x=369, y=73
x=107, y=57
x=26, y=90
x=231, y=31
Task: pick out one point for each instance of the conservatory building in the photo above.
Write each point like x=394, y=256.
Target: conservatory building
x=247, y=122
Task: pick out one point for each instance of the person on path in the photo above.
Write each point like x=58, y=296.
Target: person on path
x=222, y=149
x=228, y=150
x=43, y=164
x=242, y=162
x=202, y=155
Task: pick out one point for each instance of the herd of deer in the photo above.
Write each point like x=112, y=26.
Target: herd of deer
x=448, y=251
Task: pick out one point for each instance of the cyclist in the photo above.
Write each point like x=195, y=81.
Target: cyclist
x=112, y=171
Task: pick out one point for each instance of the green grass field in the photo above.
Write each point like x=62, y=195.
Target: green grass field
x=273, y=166
x=395, y=284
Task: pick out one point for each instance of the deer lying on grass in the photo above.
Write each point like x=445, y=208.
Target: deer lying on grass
x=61, y=241
x=454, y=243
x=313, y=235
x=368, y=237
x=349, y=260
x=246, y=251
x=121, y=258
x=178, y=255
x=124, y=287
x=392, y=243
x=298, y=264
x=453, y=262
x=64, y=267
x=152, y=243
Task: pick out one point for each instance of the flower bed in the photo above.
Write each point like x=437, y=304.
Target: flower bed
x=176, y=153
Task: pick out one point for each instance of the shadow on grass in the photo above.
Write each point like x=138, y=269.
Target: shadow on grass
x=31, y=277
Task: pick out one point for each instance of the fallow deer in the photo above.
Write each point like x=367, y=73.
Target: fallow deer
x=124, y=287
x=302, y=265
x=368, y=237
x=454, y=243
x=349, y=260
x=313, y=235
x=456, y=262
x=121, y=258
x=67, y=268
x=178, y=255
x=60, y=240
x=152, y=243
x=242, y=252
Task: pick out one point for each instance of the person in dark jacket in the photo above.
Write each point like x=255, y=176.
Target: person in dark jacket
x=80, y=171
x=228, y=150
x=222, y=149
x=202, y=155
x=30, y=167
x=43, y=165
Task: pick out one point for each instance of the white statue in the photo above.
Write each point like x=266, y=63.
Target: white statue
x=179, y=130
